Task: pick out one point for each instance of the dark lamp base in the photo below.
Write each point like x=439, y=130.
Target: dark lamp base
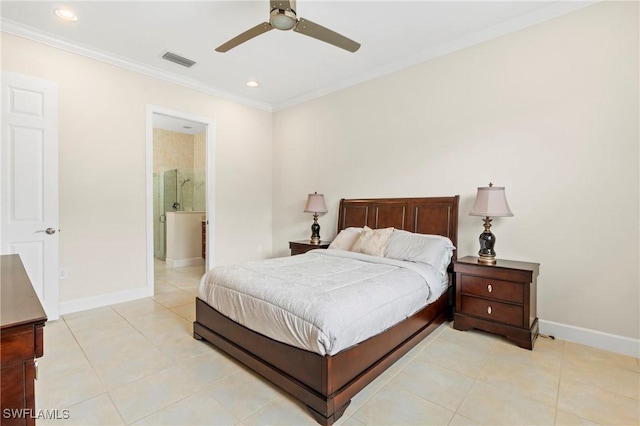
x=487, y=242
x=315, y=231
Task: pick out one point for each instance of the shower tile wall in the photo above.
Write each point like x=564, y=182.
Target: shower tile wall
x=199, y=169
x=173, y=150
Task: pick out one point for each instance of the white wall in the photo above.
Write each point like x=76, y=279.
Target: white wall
x=184, y=239
x=550, y=112
x=102, y=167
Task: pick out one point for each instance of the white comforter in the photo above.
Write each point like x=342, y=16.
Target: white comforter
x=323, y=301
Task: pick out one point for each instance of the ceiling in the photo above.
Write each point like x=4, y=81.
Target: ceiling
x=290, y=68
x=179, y=125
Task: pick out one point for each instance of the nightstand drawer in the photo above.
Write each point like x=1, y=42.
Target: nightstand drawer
x=301, y=247
x=492, y=310
x=495, y=289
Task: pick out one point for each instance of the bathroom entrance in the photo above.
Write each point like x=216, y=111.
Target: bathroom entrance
x=175, y=191
x=179, y=210
x=179, y=189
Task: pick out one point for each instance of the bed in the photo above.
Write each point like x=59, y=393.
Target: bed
x=326, y=383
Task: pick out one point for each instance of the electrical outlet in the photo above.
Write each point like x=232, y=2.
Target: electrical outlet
x=62, y=274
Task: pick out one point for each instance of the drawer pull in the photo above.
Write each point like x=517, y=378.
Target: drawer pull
x=489, y=310
x=489, y=288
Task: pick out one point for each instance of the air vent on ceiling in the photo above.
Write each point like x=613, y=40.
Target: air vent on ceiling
x=178, y=59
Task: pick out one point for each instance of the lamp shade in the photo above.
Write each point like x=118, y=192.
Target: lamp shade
x=491, y=202
x=315, y=204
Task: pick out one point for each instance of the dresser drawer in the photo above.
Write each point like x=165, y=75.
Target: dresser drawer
x=492, y=310
x=495, y=289
x=21, y=343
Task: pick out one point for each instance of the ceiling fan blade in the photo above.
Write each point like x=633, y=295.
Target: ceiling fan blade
x=245, y=36
x=321, y=33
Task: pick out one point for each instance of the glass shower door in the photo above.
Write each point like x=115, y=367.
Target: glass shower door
x=170, y=191
x=159, y=242
x=164, y=199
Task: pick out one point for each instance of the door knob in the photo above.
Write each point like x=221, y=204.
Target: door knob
x=49, y=231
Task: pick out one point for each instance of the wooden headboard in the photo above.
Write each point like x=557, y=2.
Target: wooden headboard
x=431, y=215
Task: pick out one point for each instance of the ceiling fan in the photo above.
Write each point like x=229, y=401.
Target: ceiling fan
x=283, y=17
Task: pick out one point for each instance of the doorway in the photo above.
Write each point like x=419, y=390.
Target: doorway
x=180, y=190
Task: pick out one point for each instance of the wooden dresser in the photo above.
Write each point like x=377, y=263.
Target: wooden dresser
x=22, y=321
x=498, y=298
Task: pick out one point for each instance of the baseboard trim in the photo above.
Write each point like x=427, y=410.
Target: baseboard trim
x=93, y=302
x=597, y=339
x=179, y=263
x=594, y=338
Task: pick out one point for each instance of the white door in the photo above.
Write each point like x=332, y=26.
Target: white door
x=29, y=188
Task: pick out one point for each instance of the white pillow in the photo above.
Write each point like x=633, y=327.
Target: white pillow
x=434, y=250
x=372, y=241
x=346, y=239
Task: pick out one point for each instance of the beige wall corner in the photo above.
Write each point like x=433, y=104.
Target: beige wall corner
x=550, y=112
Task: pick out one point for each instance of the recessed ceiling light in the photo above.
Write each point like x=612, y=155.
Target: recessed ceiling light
x=186, y=127
x=66, y=14
x=252, y=83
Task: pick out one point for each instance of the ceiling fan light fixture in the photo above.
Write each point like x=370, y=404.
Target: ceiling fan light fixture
x=283, y=19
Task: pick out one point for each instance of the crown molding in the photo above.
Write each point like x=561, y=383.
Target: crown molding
x=554, y=10
x=25, y=31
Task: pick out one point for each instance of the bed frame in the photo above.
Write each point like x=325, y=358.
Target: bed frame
x=326, y=383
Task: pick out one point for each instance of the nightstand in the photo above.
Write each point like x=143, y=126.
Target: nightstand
x=303, y=246
x=498, y=298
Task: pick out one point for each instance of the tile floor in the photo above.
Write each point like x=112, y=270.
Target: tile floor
x=136, y=363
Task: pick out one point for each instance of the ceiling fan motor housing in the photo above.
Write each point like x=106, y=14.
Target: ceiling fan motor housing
x=283, y=19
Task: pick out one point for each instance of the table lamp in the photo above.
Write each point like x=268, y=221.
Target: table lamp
x=315, y=204
x=490, y=202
